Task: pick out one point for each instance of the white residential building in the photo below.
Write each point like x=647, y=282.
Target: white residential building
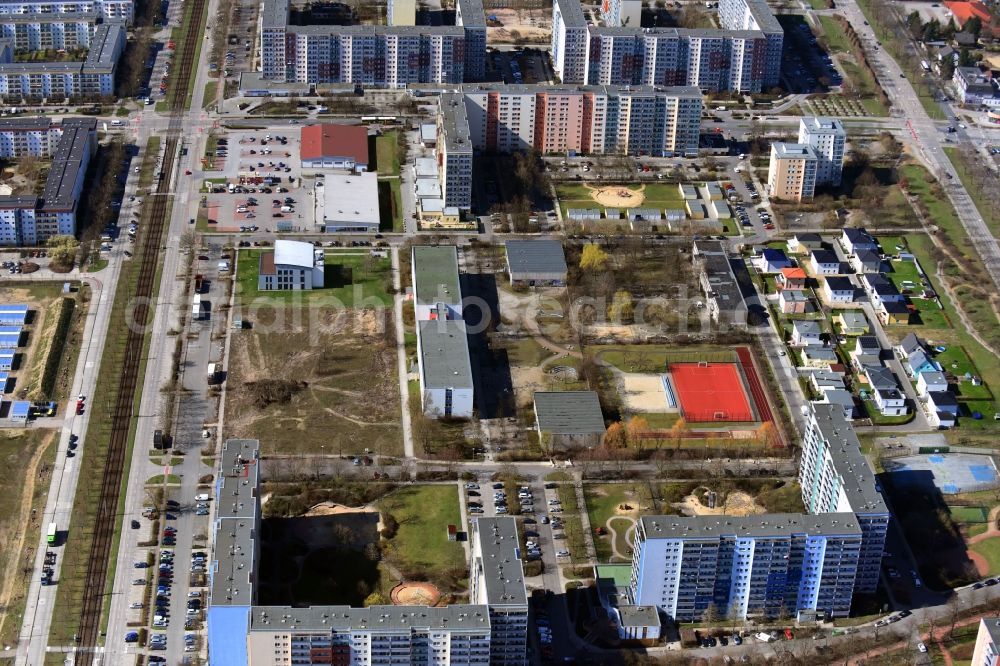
x=791, y=173
x=115, y=10
x=827, y=138
x=291, y=266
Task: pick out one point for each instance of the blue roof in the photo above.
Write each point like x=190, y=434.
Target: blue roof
x=16, y=307
x=20, y=408
x=11, y=330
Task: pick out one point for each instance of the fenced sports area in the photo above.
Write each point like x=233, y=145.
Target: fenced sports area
x=711, y=391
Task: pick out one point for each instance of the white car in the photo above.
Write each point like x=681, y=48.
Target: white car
x=201, y=498
x=562, y=553
x=921, y=648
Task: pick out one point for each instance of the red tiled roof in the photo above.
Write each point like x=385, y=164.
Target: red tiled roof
x=963, y=11
x=335, y=141
x=792, y=273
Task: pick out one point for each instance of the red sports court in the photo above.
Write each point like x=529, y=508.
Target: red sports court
x=711, y=392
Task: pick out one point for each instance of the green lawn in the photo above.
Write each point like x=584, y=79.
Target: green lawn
x=836, y=39
x=386, y=154
x=352, y=278
x=421, y=545
x=209, y=97
x=990, y=549
x=969, y=514
x=603, y=500
x=878, y=419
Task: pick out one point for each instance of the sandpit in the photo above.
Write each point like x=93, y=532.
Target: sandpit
x=618, y=196
x=415, y=594
x=642, y=393
x=737, y=503
x=331, y=509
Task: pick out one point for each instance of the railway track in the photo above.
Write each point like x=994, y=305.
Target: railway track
x=151, y=239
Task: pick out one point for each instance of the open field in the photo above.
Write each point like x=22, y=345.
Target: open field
x=986, y=208
x=421, y=545
x=28, y=456
x=323, y=384
x=352, y=279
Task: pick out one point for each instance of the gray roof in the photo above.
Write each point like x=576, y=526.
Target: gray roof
x=444, y=352
x=373, y=30
x=858, y=481
x=104, y=47
x=760, y=525
x=822, y=125
x=503, y=573
x=536, y=256
x=639, y=616
x=472, y=13
x=67, y=163
x=910, y=344
x=784, y=150
x=763, y=16
x=568, y=412
x=38, y=17
x=455, y=124
x=274, y=13
x=28, y=124
x=388, y=619
x=880, y=377
x=806, y=327
x=992, y=625
x=853, y=318
x=572, y=13
x=436, y=274
x=234, y=552
x=932, y=377
x=719, y=273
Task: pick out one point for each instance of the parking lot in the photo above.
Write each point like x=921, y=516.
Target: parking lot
x=805, y=66
x=257, y=187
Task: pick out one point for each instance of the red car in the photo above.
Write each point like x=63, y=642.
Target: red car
x=79, y=406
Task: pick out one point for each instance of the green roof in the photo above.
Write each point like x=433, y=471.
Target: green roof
x=619, y=575
x=435, y=271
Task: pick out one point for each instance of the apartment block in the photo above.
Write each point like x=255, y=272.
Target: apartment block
x=649, y=120
x=31, y=220
x=757, y=16
x=744, y=59
x=496, y=580
x=24, y=137
x=444, y=365
x=491, y=630
x=987, y=649
x=791, y=174
x=393, y=56
x=454, y=152
x=827, y=138
x=94, y=77
x=570, y=41
x=113, y=10
x=39, y=32
x=835, y=477
x=619, y=13
x=753, y=567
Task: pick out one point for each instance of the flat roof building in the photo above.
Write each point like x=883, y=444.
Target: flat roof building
x=791, y=174
x=350, y=202
x=536, y=262
x=568, y=419
x=291, y=266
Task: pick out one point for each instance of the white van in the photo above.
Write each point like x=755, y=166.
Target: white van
x=117, y=123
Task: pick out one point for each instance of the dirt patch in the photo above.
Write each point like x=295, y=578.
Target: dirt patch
x=331, y=509
x=415, y=594
x=345, y=397
x=618, y=196
x=736, y=503
x=524, y=25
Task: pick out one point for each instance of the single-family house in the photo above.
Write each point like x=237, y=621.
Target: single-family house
x=792, y=277
x=893, y=313
x=909, y=344
x=879, y=376
x=880, y=289
x=818, y=357
x=856, y=240
x=770, y=260
x=805, y=243
x=867, y=351
x=942, y=407
x=839, y=396
x=867, y=261
x=806, y=333
x=918, y=362
x=838, y=290
x=820, y=380
x=852, y=322
x=824, y=262
x=793, y=301
x=931, y=381
x=890, y=402
x=568, y=419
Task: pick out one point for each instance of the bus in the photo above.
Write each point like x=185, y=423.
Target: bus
x=52, y=533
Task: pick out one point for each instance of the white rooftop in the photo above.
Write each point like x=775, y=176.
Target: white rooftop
x=351, y=198
x=293, y=253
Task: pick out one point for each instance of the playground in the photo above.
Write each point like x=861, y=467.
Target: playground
x=618, y=196
x=711, y=392
x=414, y=593
x=646, y=195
